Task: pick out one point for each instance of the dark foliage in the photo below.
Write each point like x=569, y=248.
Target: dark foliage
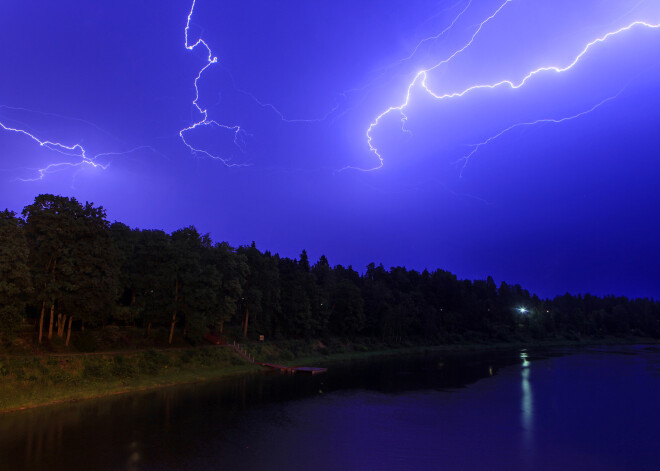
x=65, y=259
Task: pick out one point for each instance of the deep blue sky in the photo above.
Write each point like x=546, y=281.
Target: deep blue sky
x=554, y=206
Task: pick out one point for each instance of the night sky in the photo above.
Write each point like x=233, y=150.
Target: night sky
x=317, y=128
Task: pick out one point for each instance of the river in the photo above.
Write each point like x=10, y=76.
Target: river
x=594, y=408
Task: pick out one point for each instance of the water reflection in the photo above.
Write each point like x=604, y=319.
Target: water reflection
x=526, y=402
x=134, y=457
x=144, y=431
x=388, y=414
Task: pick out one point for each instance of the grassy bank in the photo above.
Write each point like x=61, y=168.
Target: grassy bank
x=29, y=381
x=33, y=380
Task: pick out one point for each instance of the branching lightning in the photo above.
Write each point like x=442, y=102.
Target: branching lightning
x=80, y=153
x=79, y=156
x=59, y=116
x=439, y=35
x=239, y=134
x=420, y=80
x=420, y=75
x=53, y=168
x=75, y=150
x=476, y=147
x=283, y=117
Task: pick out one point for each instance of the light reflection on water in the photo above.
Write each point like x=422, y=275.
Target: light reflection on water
x=526, y=404
x=584, y=409
x=134, y=457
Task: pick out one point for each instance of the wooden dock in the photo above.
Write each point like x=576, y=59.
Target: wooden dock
x=309, y=370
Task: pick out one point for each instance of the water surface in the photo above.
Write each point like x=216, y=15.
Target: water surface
x=569, y=409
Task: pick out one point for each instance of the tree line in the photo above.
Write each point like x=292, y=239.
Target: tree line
x=64, y=266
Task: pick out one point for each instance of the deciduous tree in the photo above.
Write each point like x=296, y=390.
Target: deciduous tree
x=15, y=281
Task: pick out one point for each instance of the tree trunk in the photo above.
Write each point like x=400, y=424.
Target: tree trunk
x=176, y=299
x=148, y=332
x=52, y=316
x=41, y=320
x=172, y=328
x=82, y=326
x=63, y=324
x=52, y=306
x=68, y=333
x=247, y=316
x=222, y=326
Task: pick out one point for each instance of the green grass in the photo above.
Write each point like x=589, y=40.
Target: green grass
x=34, y=380
x=29, y=381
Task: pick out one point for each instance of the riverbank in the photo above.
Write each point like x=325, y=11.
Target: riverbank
x=327, y=360
x=34, y=381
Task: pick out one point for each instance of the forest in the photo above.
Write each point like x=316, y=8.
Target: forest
x=65, y=268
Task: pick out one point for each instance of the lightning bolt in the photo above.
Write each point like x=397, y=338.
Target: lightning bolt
x=437, y=36
x=420, y=79
x=91, y=162
x=476, y=147
x=75, y=150
x=79, y=152
x=344, y=95
x=59, y=116
x=420, y=76
x=283, y=117
x=240, y=135
x=341, y=96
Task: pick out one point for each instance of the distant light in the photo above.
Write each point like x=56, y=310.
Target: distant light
x=522, y=310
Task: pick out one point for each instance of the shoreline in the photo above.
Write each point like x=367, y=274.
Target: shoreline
x=200, y=373
x=84, y=396
x=467, y=348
